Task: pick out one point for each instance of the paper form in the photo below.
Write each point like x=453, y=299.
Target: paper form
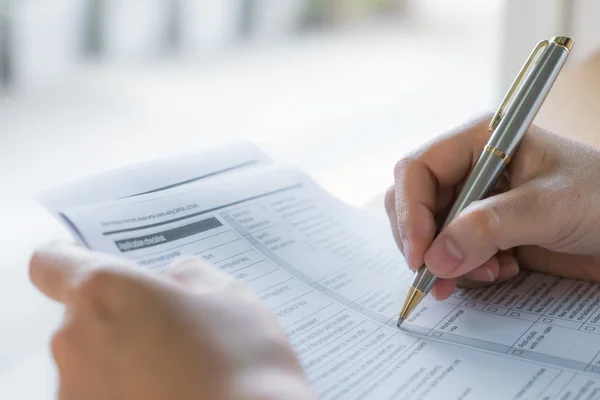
x=335, y=281
x=155, y=176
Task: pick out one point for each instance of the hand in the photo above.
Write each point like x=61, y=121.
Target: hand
x=194, y=334
x=544, y=216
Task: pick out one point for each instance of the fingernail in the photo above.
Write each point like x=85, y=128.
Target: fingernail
x=444, y=256
x=482, y=274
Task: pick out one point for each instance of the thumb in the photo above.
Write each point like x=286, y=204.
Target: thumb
x=56, y=267
x=500, y=222
x=196, y=274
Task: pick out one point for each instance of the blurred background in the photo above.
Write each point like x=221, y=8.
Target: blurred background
x=340, y=88
x=330, y=85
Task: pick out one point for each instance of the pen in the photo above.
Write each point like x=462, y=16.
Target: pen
x=508, y=126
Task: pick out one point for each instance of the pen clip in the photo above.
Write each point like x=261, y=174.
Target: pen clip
x=500, y=113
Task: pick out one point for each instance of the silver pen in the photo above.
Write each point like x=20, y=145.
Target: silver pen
x=508, y=126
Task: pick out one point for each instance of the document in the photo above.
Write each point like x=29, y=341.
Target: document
x=167, y=173
x=335, y=280
x=155, y=176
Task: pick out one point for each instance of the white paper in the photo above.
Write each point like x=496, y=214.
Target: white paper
x=159, y=175
x=335, y=281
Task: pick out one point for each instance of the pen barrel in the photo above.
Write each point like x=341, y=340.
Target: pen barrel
x=504, y=142
x=528, y=100
x=486, y=173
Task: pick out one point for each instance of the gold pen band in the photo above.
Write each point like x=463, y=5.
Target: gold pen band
x=498, y=152
x=565, y=42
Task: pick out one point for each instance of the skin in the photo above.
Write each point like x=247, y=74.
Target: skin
x=194, y=333
x=191, y=334
x=543, y=216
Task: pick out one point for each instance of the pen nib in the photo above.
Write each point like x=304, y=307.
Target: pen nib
x=412, y=301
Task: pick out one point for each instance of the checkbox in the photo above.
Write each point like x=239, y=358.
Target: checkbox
x=590, y=328
x=548, y=320
x=515, y=314
x=596, y=370
x=492, y=309
x=437, y=334
x=469, y=304
x=517, y=352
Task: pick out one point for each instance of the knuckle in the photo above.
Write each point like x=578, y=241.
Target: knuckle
x=483, y=222
x=403, y=167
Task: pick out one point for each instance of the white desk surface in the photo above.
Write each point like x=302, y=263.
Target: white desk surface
x=343, y=107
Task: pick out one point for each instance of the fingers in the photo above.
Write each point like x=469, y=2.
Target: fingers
x=583, y=267
x=443, y=288
x=442, y=202
x=497, y=269
x=488, y=272
x=503, y=267
x=508, y=268
x=51, y=270
x=485, y=227
x=390, y=208
x=195, y=274
x=60, y=269
x=71, y=340
x=424, y=182
x=56, y=268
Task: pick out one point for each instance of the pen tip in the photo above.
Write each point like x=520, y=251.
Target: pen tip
x=400, y=321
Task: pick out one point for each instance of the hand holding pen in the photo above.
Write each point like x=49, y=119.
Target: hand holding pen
x=427, y=184
x=545, y=216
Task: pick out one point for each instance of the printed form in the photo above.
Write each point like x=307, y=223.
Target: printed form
x=156, y=176
x=335, y=280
